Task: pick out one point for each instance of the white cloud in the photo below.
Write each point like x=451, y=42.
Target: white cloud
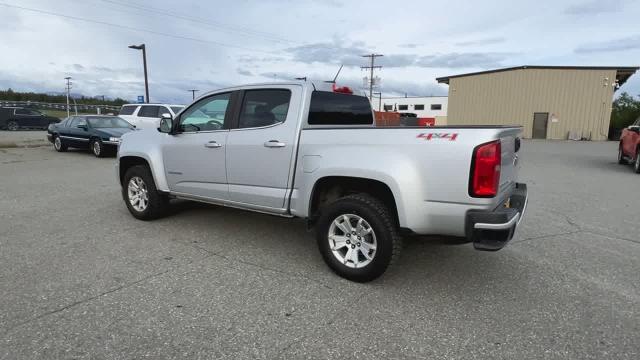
x=421, y=40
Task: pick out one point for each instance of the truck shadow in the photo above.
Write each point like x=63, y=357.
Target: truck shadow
x=280, y=245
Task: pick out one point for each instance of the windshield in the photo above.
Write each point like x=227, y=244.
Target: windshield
x=107, y=122
x=176, y=109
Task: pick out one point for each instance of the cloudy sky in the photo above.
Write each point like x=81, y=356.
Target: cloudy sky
x=208, y=45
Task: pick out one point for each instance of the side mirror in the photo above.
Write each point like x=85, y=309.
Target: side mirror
x=166, y=123
x=82, y=126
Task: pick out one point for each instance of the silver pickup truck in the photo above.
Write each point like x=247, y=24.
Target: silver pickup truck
x=312, y=150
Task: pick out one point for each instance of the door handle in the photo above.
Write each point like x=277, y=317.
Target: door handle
x=213, y=144
x=274, y=144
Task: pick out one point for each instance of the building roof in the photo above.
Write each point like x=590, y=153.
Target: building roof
x=622, y=72
x=413, y=97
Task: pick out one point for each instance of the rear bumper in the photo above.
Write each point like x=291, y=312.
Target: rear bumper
x=492, y=230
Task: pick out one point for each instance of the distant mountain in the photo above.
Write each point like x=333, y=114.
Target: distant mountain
x=73, y=95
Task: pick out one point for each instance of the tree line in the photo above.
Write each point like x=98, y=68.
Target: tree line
x=11, y=95
x=625, y=110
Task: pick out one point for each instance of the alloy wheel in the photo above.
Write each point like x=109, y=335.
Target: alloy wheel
x=138, y=194
x=12, y=126
x=57, y=143
x=97, y=149
x=352, y=241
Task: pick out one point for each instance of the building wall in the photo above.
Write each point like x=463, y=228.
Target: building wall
x=427, y=101
x=576, y=100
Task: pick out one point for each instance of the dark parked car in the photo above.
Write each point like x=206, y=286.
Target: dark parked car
x=100, y=134
x=15, y=118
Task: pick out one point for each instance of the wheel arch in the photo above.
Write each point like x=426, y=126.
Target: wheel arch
x=127, y=162
x=329, y=188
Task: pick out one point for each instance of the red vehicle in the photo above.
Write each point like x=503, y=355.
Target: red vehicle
x=629, y=149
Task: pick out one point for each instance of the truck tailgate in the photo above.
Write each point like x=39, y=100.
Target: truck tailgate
x=510, y=144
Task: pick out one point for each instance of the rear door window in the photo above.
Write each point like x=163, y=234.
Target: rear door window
x=328, y=108
x=264, y=108
x=149, y=111
x=163, y=110
x=128, y=110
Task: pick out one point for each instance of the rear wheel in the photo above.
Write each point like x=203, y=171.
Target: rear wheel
x=58, y=145
x=357, y=237
x=12, y=125
x=140, y=194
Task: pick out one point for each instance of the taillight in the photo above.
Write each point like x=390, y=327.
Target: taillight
x=485, y=170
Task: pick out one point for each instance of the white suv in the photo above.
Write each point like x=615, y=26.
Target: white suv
x=147, y=116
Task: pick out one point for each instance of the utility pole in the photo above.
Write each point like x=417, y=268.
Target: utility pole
x=379, y=100
x=372, y=66
x=68, y=78
x=143, y=47
x=193, y=93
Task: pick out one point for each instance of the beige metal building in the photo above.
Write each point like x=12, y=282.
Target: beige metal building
x=550, y=102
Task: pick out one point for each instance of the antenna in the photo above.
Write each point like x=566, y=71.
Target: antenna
x=335, y=77
x=338, y=73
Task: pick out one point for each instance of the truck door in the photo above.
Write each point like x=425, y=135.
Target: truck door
x=149, y=117
x=261, y=146
x=194, y=157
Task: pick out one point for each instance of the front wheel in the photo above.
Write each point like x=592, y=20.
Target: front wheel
x=58, y=145
x=97, y=148
x=357, y=237
x=621, y=159
x=139, y=192
x=636, y=164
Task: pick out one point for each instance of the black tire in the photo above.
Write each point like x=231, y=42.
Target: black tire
x=157, y=201
x=380, y=220
x=621, y=159
x=58, y=145
x=96, y=147
x=13, y=125
x=636, y=164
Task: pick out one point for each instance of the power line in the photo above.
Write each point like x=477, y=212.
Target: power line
x=222, y=26
x=371, y=67
x=136, y=29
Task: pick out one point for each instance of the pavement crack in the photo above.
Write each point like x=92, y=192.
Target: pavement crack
x=613, y=236
x=330, y=321
x=260, y=266
x=545, y=236
x=83, y=301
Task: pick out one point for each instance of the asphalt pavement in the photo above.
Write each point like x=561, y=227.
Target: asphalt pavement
x=80, y=278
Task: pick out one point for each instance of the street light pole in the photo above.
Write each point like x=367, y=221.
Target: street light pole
x=144, y=62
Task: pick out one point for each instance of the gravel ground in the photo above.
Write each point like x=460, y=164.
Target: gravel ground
x=23, y=138
x=81, y=278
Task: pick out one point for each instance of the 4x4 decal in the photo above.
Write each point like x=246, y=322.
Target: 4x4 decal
x=429, y=136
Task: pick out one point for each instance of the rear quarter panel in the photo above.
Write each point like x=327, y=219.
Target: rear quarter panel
x=428, y=175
